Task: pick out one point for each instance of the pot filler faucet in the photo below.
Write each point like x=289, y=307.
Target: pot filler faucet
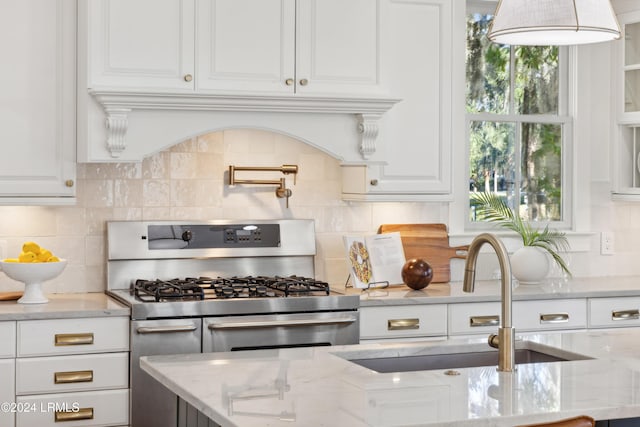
x=505, y=340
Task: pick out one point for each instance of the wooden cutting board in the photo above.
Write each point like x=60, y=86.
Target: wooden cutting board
x=429, y=242
x=10, y=296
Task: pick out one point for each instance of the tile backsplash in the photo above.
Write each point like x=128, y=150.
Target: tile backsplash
x=189, y=182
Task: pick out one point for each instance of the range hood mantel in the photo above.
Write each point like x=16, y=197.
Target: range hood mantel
x=119, y=107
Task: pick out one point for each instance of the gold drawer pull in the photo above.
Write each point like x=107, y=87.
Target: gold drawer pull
x=625, y=314
x=402, y=324
x=80, y=414
x=73, y=377
x=74, y=339
x=477, y=321
x=554, y=318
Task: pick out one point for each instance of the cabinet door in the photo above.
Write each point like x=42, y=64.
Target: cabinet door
x=7, y=339
x=37, y=106
x=7, y=390
x=337, y=46
x=420, y=61
x=140, y=44
x=246, y=45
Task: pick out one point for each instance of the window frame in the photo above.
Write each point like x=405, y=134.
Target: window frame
x=564, y=118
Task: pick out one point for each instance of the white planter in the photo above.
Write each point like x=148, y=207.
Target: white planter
x=529, y=265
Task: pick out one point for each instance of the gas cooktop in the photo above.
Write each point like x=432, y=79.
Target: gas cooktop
x=201, y=288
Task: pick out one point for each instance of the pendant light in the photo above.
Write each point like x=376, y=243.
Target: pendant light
x=553, y=22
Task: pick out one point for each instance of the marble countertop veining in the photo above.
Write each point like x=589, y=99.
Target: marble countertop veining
x=445, y=293
x=63, y=306
x=318, y=386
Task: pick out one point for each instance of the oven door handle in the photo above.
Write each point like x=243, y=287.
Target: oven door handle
x=165, y=329
x=284, y=322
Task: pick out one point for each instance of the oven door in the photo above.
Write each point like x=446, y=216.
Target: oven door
x=152, y=405
x=233, y=333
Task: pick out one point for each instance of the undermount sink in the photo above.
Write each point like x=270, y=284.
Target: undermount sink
x=457, y=360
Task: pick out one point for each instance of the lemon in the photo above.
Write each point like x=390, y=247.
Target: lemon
x=53, y=259
x=27, y=257
x=31, y=247
x=44, y=255
x=11, y=260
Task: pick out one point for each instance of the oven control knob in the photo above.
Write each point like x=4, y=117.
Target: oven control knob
x=187, y=235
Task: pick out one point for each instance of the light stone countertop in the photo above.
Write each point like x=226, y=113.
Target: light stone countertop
x=316, y=387
x=443, y=293
x=64, y=306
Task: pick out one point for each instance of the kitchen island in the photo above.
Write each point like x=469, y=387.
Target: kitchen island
x=319, y=386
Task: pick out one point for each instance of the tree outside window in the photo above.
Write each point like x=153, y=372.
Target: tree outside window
x=518, y=132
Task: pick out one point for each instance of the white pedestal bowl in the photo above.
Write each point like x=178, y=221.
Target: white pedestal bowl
x=33, y=275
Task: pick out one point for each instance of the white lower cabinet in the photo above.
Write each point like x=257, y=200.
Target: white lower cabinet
x=433, y=321
x=408, y=321
x=7, y=392
x=614, y=312
x=72, y=373
x=527, y=316
x=548, y=315
x=7, y=371
x=72, y=370
x=94, y=408
x=473, y=318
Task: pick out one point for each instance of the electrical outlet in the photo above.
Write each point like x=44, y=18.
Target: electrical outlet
x=606, y=243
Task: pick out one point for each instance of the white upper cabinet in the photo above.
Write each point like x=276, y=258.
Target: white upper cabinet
x=141, y=44
x=37, y=106
x=626, y=87
x=337, y=46
x=257, y=46
x=423, y=51
x=246, y=45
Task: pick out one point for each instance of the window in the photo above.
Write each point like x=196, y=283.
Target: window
x=518, y=128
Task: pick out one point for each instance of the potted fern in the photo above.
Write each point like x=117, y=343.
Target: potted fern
x=529, y=264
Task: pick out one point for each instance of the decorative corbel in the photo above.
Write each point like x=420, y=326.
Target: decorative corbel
x=368, y=129
x=117, y=124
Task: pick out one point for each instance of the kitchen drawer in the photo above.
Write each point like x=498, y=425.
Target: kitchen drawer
x=540, y=315
x=93, y=408
x=614, y=312
x=7, y=339
x=403, y=321
x=72, y=336
x=72, y=373
x=550, y=314
x=474, y=318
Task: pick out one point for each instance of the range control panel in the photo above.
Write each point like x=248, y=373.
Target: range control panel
x=199, y=236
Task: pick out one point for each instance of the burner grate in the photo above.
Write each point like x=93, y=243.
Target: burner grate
x=201, y=288
x=166, y=290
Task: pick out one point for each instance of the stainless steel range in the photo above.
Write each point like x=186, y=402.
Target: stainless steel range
x=219, y=286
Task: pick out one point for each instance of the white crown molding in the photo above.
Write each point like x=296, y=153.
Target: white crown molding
x=119, y=104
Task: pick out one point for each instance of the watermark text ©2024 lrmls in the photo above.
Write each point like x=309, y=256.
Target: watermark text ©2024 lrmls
x=39, y=407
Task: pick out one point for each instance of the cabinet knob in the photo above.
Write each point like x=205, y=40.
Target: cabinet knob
x=288, y=82
x=304, y=82
x=188, y=77
x=373, y=182
x=69, y=183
